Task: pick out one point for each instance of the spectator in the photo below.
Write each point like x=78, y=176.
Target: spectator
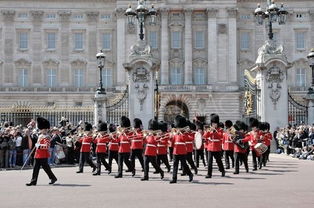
x=12, y=151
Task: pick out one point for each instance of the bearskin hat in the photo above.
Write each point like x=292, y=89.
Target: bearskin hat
x=253, y=122
x=153, y=124
x=199, y=125
x=102, y=127
x=163, y=126
x=267, y=126
x=125, y=122
x=214, y=118
x=179, y=122
x=43, y=123
x=228, y=124
x=137, y=123
x=88, y=126
x=239, y=125
x=221, y=125
x=112, y=128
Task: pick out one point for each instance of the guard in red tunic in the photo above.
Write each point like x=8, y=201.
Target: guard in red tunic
x=162, y=146
x=189, y=137
x=137, y=144
x=42, y=153
x=255, y=136
x=150, y=155
x=125, y=146
x=179, y=150
x=267, y=141
x=199, y=153
x=214, y=147
x=86, y=148
x=227, y=144
x=240, y=143
x=113, y=147
x=101, y=147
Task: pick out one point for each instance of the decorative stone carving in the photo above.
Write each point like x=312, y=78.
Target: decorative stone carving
x=141, y=90
x=211, y=12
x=23, y=62
x=269, y=51
x=140, y=75
x=37, y=15
x=131, y=28
x=222, y=28
x=232, y=12
x=92, y=16
x=78, y=62
x=64, y=15
x=8, y=15
x=274, y=76
x=120, y=12
x=140, y=49
x=51, y=62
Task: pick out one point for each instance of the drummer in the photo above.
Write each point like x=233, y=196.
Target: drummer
x=199, y=144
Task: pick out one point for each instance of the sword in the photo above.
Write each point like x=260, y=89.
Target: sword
x=28, y=158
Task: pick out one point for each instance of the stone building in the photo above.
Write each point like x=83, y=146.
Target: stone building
x=48, y=48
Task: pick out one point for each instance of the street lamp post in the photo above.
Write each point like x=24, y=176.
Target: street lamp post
x=311, y=63
x=141, y=13
x=272, y=14
x=101, y=63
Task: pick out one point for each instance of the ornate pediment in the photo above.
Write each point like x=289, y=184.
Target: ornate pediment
x=51, y=62
x=78, y=62
x=23, y=62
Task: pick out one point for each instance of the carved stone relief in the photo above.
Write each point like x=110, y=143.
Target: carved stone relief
x=141, y=90
x=274, y=77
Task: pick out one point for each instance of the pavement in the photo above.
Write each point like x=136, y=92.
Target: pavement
x=285, y=182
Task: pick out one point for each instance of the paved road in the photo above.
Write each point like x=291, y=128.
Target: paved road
x=285, y=182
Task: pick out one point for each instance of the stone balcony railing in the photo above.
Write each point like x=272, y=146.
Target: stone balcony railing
x=52, y=90
x=198, y=88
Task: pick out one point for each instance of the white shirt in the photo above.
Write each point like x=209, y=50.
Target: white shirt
x=19, y=141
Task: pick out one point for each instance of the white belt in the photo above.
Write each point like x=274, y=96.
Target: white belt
x=188, y=142
x=114, y=143
x=214, y=140
x=151, y=145
x=101, y=144
x=85, y=143
x=229, y=142
x=124, y=142
x=43, y=145
x=160, y=145
x=180, y=143
x=137, y=140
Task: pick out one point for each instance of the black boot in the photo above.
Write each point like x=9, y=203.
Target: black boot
x=52, y=181
x=31, y=184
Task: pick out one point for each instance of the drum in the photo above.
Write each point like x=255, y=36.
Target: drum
x=260, y=149
x=198, y=139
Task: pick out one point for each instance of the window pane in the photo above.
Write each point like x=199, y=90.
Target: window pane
x=300, y=37
x=176, y=39
x=51, y=38
x=153, y=39
x=300, y=78
x=199, y=76
x=23, y=78
x=107, y=78
x=52, y=77
x=245, y=41
x=78, y=41
x=23, y=40
x=106, y=41
x=79, y=78
x=199, y=39
x=176, y=77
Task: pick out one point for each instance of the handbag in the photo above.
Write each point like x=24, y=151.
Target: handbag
x=59, y=152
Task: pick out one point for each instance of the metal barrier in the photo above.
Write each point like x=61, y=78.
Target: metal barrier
x=298, y=113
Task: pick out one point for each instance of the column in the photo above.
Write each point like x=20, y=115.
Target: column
x=232, y=45
x=36, y=37
x=212, y=46
x=188, y=73
x=121, y=53
x=64, y=67
x=9, y=34
x=312, y=28
x=164, y=67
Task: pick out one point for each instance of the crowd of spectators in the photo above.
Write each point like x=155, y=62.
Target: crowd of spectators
x=296, y=141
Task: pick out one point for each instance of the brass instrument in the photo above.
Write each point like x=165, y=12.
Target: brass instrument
x=151, y=132
x=210, y=129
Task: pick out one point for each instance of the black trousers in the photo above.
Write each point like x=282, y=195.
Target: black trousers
x=101, y=158
x=259, y=160
x=266, y=156
x=189, y=159
x=153, y=161
x=139, y=154
x=199, y=154
x=206, y=155
x=171, y=153
x=238, y=156
x=217, y=156
x=85, y=156
x=112, y=155
x=70, y=155
x=44, y=164
x=164, y=160
x=123, y=157
x=182, y=160
x=228, y=154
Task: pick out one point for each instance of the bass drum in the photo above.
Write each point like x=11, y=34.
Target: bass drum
x=260, y=149
x=198, y=139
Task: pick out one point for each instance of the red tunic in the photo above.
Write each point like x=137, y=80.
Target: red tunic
x=162, y=146
x=254, y=138
x=189, y=138
x=101, y=144
x=237, y=148
x=214, y=140
x=179, y=146
x=137, y=142
x=43, y=150
x=86, y=141
x=114, y=144
x=151, y=146
x=125, y=145
x=227, y=143
x=267, y=138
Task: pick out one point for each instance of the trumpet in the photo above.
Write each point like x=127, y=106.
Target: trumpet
x=151, y=132
x=232, y=131
x=210, y=128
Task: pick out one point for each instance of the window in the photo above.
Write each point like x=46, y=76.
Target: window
x=78, y=16
x=79, y=78
x=78, y=41
x=300, y=40
x=175, y=75
x=52, y=77
x=175, y=39
x=23, y=78
x=245, y=41
x=153, y=39
x=199, y=39
x=199, y=76
x=23, y=40
x=22, y=15
x=107, y=78
x=300, y=78
x=51, y=40
x=106, y=41
x=245, y=16
x=105, y=17
x=51, y=16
